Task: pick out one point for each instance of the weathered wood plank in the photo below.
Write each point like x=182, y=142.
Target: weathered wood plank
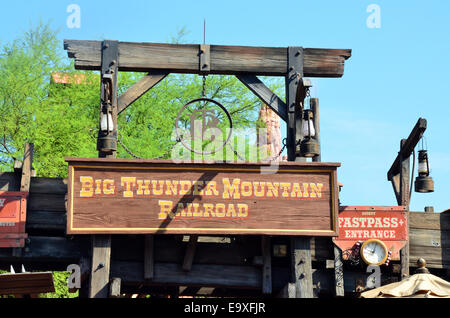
x=52, y=250
x=9, y=181
x=338, y=272
x=265, y=94
x=199, y=275
x=267, y=265
x=26, y=167
x=432, y=221
x=48, y=185
x=46, y=202
x=190, y=253
x=435, y=257
x=101, y=254
x=408, y=146
x=139, y=89
x=429, y=238
x=183, y=58
x=302, y=268
x=114, y=287
x=149, y=256
x=40, y=222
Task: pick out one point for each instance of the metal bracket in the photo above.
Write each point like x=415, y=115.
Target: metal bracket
x=107, y=141
x=204, y=58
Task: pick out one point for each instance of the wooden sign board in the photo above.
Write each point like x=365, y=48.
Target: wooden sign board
x=361, y=223
x=118, y=196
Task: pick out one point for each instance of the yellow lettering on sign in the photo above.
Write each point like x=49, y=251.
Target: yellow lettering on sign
x=231, y=211
x=209, y=208
x=128, y=183
x=272, y=189
x=197, y=185
x=166, y=208
x=316, y=190
x=296, y=191
x=171, y=187
x=98, y=186
x=243, y=210
x=231, y=190
x=220, y=209
x=143, y=187
x=185, y=187
x=161, y=187
x=305, y=190
x=87, y=187
x=246, y=188
x=211, y=188
x=285, y=187
x=259, y=193
x=108, y=186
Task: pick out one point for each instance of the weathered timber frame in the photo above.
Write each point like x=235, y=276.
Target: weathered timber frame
x=293, y=63
x=399, y=175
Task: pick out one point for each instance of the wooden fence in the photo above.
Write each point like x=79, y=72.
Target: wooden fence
x=232, y=262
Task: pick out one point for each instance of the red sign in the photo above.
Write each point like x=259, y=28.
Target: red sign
x=13, y=205
x=360, y=223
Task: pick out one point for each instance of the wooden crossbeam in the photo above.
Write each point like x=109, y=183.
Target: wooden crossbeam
x=183, y=58
x=139, y=89
x=408, y=146
x=26, y=283
x=265, y=94
x=190, y=253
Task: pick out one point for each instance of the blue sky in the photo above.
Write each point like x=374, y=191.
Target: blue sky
x=397, y=73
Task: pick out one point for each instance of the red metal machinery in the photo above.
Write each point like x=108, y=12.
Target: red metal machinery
x=13, y=214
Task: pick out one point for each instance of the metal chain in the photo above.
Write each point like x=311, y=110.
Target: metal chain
x=281, y=151
x=204, y=86
x=119, y=139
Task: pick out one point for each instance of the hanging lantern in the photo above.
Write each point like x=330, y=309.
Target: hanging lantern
x=309, y=147
x=424, y=183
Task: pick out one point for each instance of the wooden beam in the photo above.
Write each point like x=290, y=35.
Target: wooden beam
x=315, y=110
x=288, y=291
x=27, y=167
x=139, y=89
x=338, y=272
x=404, y=200
x=114, y=287
x=149, y=257
x=184, y=58
x=265, y=94
x=101, y=244
x=204, y=275
x=293, y=80
x=190, y=253
x=267, y=265
x=409, y=145
x=302, y=268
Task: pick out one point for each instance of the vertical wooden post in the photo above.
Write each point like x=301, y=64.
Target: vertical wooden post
x=190, y=253
x=267, y=265
x=301, y=270
x=101, y=244
x=148, y=257
x=315, y=110
x=404, y=198
x=25, y=181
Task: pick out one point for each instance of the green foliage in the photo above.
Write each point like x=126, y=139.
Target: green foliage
x=61, y=290
x=62, y=119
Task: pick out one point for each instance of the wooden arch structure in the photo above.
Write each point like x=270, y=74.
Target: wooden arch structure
x=246, y=63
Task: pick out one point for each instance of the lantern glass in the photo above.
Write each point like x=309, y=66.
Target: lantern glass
x=308, y=124
x=423, y=168
x=106, y=123
x=423, y=163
